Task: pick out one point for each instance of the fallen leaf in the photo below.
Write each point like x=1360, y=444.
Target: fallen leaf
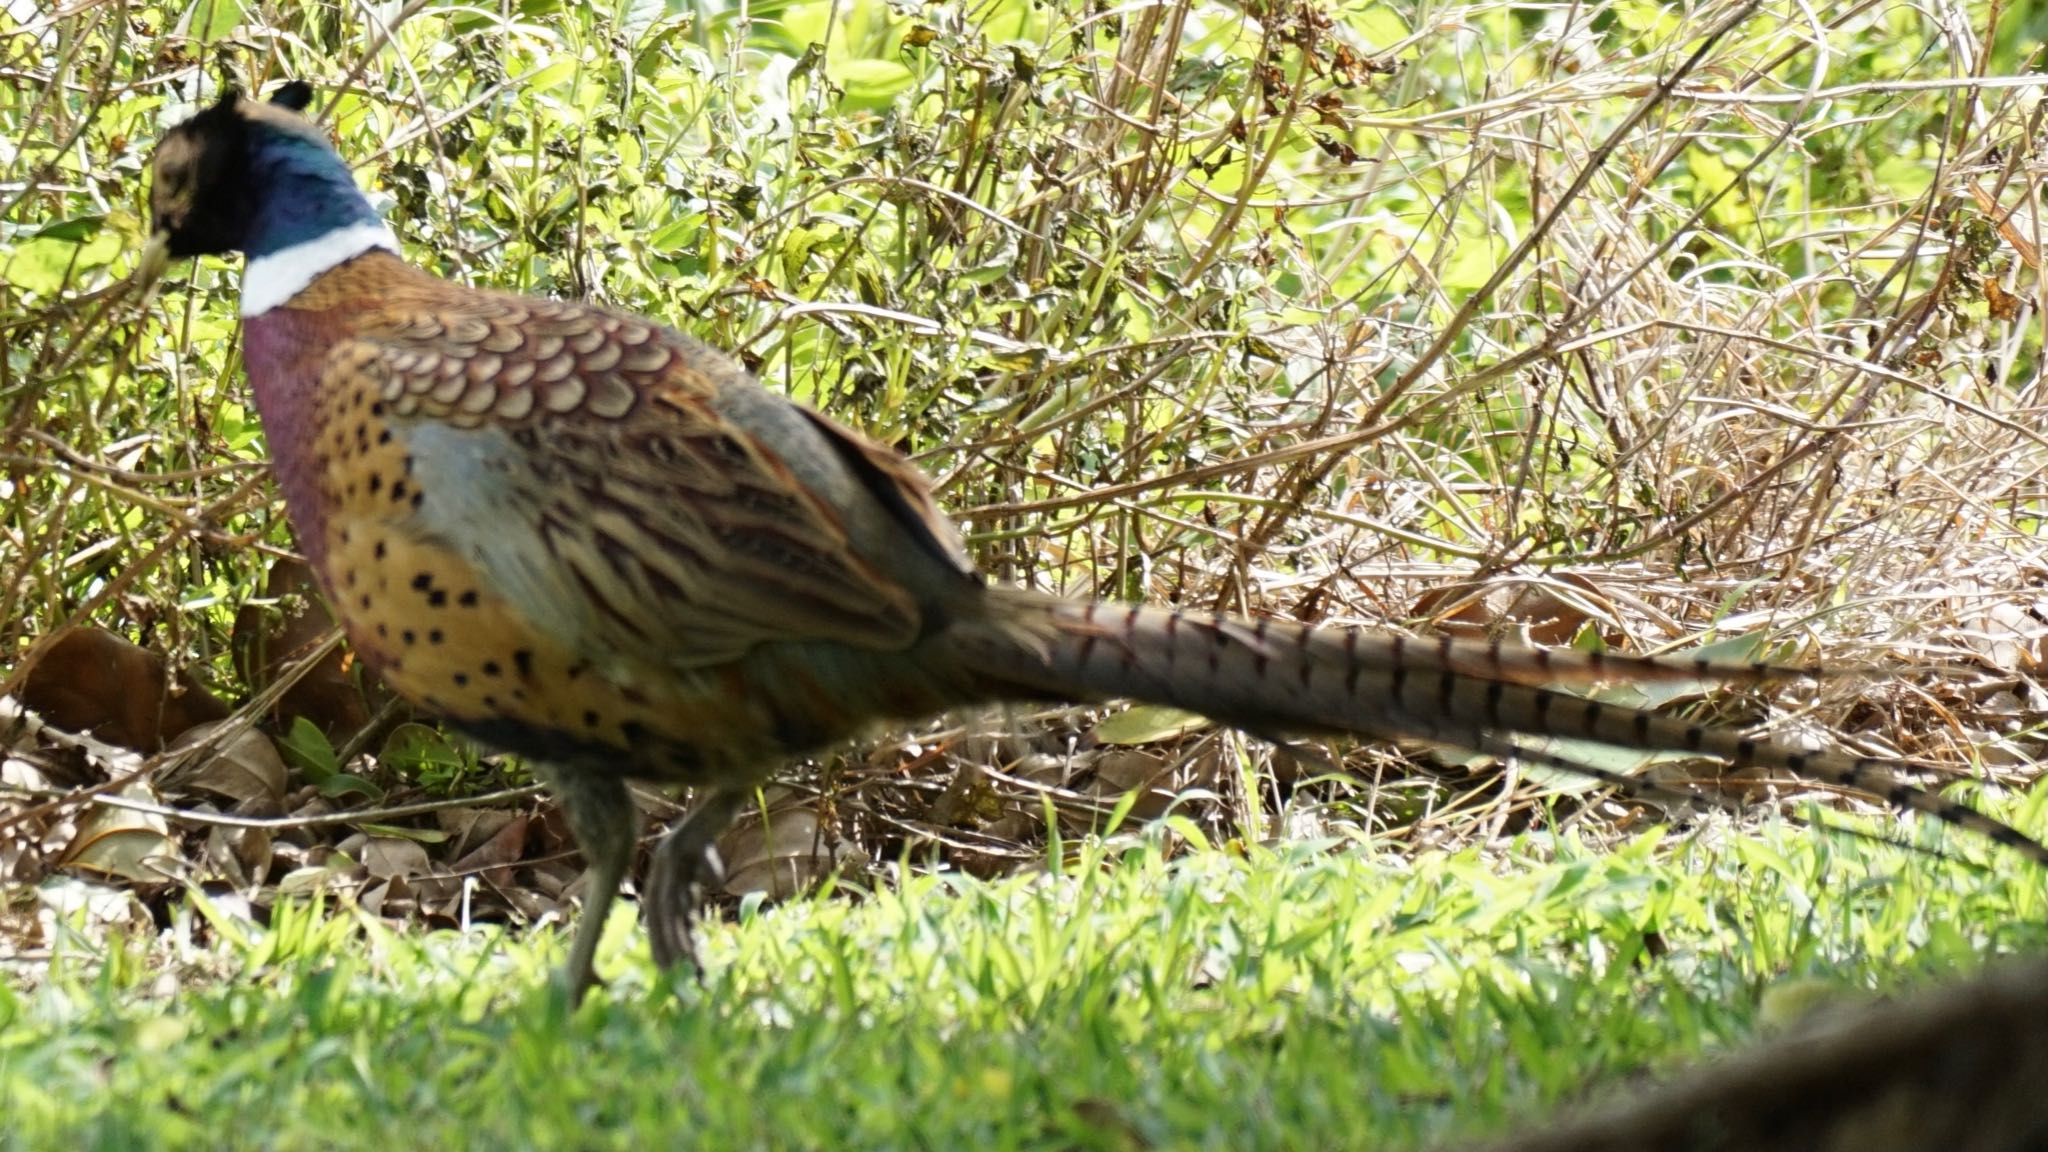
x=246, y=771
x=391, y=858
x=122, y=842
x=784, y=856
x=92, y=681
x=1146, y=724
x=1551, y=612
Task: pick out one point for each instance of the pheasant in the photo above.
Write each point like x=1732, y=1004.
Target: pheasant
x=589, y=540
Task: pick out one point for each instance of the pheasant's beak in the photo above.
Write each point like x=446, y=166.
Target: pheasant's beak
x=156, y=256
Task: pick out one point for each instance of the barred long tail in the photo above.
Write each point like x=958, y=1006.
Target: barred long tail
x=1273, y=676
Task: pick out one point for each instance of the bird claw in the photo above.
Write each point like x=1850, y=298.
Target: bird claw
x=683, y=877
x=686, y=871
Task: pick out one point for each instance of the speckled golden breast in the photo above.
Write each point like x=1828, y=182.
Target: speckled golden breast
x=405, y=439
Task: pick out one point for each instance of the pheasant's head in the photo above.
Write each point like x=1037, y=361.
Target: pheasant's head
x=204, y=195
x=258, y=178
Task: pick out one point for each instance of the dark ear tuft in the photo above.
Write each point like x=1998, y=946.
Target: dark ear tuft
x=228, y=98
x=295, y=96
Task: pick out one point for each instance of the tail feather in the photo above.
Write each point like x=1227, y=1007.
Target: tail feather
x=1268, y=675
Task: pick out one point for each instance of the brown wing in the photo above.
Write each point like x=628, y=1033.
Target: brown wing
x=901, y=488
x=659, y=528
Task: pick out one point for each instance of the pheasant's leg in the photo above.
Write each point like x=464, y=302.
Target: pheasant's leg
x=602, y=816
x=686, y=867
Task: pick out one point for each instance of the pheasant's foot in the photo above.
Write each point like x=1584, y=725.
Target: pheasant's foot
x=602, y=816
x=686, y=871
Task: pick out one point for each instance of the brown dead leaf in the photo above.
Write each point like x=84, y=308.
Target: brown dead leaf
x=491, y=862
x=241, y=855
x=467, y=828
x=550, y=880
x=2004, y=305
x=1053, y=771
x=1109, y=1125
x=786, y=855
x=391, y=898
x=493, y=859
x=2007, y=636
x=1121, y=770
x=2015, y=226
x=92, y=681
x=393, y=858
x=246, y=771
x=123, y=843
x=1537, y=613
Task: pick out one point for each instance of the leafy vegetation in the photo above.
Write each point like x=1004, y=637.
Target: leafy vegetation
x=1611, y=325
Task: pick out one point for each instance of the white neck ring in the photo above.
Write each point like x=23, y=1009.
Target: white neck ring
x=272, y=279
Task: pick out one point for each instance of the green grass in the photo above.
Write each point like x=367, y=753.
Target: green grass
x=1289, y=999
x=1117, y=279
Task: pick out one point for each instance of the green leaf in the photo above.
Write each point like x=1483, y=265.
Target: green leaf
x=637, y=16
x=1472, y=261
x=1123, y=808
x=418, y=748
x=44, y=265
x=75, y=229
x=870, y=85
x=1654, y=21
x=1619, y=761
x=1744, y=648
x=1905, y=176
x=1740, y=648
x=307, y=747
x=417, y=835
x=677, y=235
x=210, y=20
x=1147, y=724
x=1710, y=171
x=1380, y=26
x=1188, y=830
x=988, y=273
x=558, y=73
x=798, y=244
x=343, y=784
